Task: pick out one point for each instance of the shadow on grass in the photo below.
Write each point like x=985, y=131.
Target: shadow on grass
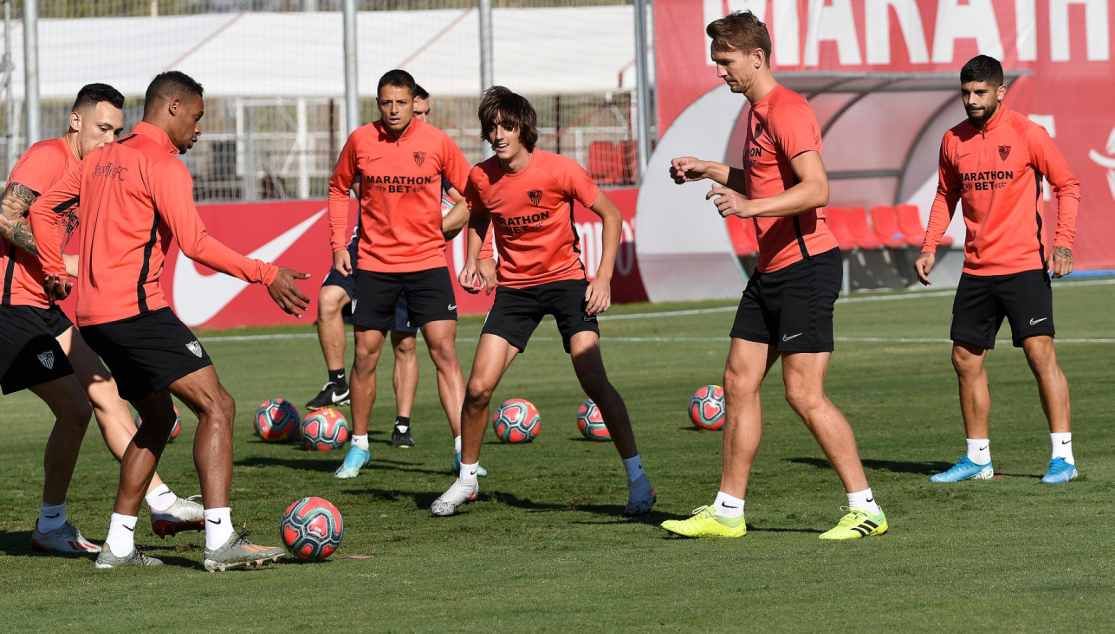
x=312, y=462
x=896, y=466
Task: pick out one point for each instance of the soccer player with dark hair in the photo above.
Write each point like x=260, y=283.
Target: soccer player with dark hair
x=993, y=164
x=28, y=315
x=334, y=305
x=133, y=197
x=400, y=162
x=525, y=196
x=787, y=308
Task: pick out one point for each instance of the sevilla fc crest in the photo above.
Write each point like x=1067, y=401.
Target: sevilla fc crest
x=419, y=158
x=47, y=359
x=1004, y=151
x=535, y=196
x=195, y=348
x=758, y=128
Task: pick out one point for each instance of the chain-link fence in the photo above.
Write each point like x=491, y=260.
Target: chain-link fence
x=273, y=74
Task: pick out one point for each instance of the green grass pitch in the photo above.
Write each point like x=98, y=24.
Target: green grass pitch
x=545, y=549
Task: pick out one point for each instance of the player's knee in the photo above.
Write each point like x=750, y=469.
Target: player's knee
x=964, y=361
x=804, y=399
x=478, y=394
x=77, y=414
x=594, y=383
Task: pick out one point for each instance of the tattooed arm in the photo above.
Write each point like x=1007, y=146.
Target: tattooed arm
x=14, y=203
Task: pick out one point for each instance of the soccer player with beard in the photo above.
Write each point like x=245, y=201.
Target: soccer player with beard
x=525, y=196
x=993, y=164
x=95, y=119
x=787, y=308
x=133, y=197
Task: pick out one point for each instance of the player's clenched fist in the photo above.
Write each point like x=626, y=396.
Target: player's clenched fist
x=687, y=168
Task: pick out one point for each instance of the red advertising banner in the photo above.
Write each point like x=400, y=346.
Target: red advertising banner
x=1055, y=47
x=295, y=234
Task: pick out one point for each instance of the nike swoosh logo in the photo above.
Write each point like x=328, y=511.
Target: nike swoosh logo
x=870, y=499
x=451, y=307
x=372, y=160
x=729, y=506
x=1065, y=442
x=131, y=528
x=218, y=522
x=1101, y=160
x=337, y=398
x=209, y=294
x=402, y=428
x=473, y=472
x=1037, y=321
x=50, y=517
x=960, y=156
x=492, y=202
x=787, y=338
x=983, y=447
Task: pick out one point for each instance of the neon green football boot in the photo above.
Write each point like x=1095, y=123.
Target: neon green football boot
x=706, y=523
x=856, y=524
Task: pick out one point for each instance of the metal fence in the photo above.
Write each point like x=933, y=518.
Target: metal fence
x=260, y=147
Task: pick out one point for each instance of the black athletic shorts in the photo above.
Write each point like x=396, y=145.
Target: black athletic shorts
x=148, y=352
x=791, y=308
x=29, y=350
x=348, y=284
x=516, y=312
x=429, y=297
x=982, y=301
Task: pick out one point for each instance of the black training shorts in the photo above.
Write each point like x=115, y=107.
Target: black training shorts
x=791, y=308
x=516, y=312
x=148, y=352
x=429, y=296
x=29, y=350
x=982, y=301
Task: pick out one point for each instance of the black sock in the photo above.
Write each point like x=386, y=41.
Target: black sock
x=402, y=421
x=338, y=377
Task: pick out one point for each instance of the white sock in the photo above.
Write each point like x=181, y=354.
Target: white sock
x=979, y=450
x=161, y=498
x=218, y=527
x=865, y=500
x=457, y=444
x=359, y=441
x=51, y=517
x=121, y=534
x=468, y=472
x=634, y=467
x=728, y=506
x=1062, y=447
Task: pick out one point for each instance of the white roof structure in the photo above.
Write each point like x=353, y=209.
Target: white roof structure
x=536, y=51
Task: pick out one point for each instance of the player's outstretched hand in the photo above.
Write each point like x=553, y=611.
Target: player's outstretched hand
x=598, y=296
x=922, y=266
x=688, y=168
x=57, y=287
x=1060, y=264
x=286, y=293
x=729, y=202
x=342, y=262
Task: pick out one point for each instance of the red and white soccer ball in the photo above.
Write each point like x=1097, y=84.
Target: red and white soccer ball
x=276, y=420
x=324, y=429
x=174, y=431
x=591, y=423
x=706, y=407
x=312, y=529
x=516, y=421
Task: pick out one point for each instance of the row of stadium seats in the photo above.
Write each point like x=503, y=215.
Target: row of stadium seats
x=885, y=227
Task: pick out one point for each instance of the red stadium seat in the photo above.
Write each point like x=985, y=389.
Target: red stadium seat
x=861, y=232
x=605, y=165
x=909, y=221
x=838, y=225
x=742, y=233
x=884, y=219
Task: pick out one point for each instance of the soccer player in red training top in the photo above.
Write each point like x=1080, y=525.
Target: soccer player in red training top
x=786, y=309
x=133, y=196
x=334, y=304
x=401, y=162
x=525, y=195
x=993, y=163
x=96, y=119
